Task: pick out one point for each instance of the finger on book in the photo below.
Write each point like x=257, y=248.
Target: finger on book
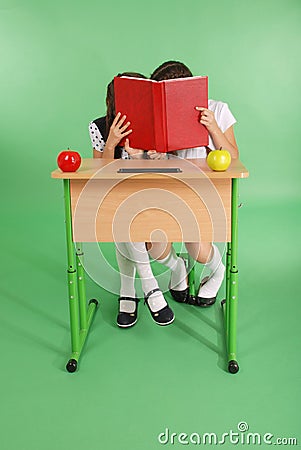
x=122, y=129
x=115, y=120
x=127, y=132
x=121, y=120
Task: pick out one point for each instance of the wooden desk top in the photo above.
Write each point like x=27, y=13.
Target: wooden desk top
x=99, y=168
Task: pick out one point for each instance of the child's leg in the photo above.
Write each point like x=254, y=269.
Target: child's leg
x=209, y=255
x=127, y=270
x=139, y=255
x=166, y=255
x=153, y=295
x=127, y=315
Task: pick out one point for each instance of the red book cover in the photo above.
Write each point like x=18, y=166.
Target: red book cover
x=162, y=113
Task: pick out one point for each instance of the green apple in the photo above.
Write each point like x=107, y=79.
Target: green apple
x=219, y=160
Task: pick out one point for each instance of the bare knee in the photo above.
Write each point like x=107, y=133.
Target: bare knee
x=201, y=252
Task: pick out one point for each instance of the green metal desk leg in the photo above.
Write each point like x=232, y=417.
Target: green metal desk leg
x=228, y=267
x=231, y=302
x=190, y=267
x=85, y=315
x=81, y=286
x=191, y=277
x=78, y=335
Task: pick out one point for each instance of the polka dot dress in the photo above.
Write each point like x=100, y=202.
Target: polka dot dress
x=96, y=138
x=98, y=142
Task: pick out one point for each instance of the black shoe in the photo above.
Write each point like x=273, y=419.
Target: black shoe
x=180, y=296
x=124, y=319
x=204, y=302
x=164, y=316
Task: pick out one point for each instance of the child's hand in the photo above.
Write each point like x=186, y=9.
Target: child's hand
x=208, y=119
x=134, y=153
x=152, y=154
x=118, y=130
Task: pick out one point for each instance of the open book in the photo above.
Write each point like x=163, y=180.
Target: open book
x=162, y=113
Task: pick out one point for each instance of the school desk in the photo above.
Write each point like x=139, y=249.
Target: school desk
x=174, y=200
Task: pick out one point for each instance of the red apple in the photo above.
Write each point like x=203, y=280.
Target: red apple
x=219, y=160
x=69, y=161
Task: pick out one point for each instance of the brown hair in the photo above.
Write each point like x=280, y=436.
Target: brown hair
x=110, y=100
x=169, y=70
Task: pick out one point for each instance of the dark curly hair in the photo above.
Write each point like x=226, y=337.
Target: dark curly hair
x=169, y=70
x=110, y=100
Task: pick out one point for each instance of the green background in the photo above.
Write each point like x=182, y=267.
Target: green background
x=56, y=60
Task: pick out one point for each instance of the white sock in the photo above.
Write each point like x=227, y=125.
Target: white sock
x=140, y=256
x=127, y=272
x=211, y=287
x=178, y=270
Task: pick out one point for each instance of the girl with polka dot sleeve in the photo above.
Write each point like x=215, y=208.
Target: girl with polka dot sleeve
x=106, y=134
x=96, y=137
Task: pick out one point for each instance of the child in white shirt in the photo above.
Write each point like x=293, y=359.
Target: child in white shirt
x=219, y=121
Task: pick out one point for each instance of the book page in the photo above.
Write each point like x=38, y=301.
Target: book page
x=182, y=119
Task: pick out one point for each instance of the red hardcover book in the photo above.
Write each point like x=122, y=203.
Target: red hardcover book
x=162, y=113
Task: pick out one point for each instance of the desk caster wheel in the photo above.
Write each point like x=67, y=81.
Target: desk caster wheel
x=71, y=365
x=93, y=300
x=233, y=366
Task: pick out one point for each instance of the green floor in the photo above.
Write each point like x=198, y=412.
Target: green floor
x=133, y=384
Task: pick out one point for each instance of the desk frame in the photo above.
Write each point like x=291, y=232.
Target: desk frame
x=81, y=314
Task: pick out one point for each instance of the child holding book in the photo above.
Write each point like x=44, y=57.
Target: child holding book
x=106, y=134
x=219, y=121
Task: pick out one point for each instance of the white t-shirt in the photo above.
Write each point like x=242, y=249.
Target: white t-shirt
x=223, y=116
x=224, y=119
